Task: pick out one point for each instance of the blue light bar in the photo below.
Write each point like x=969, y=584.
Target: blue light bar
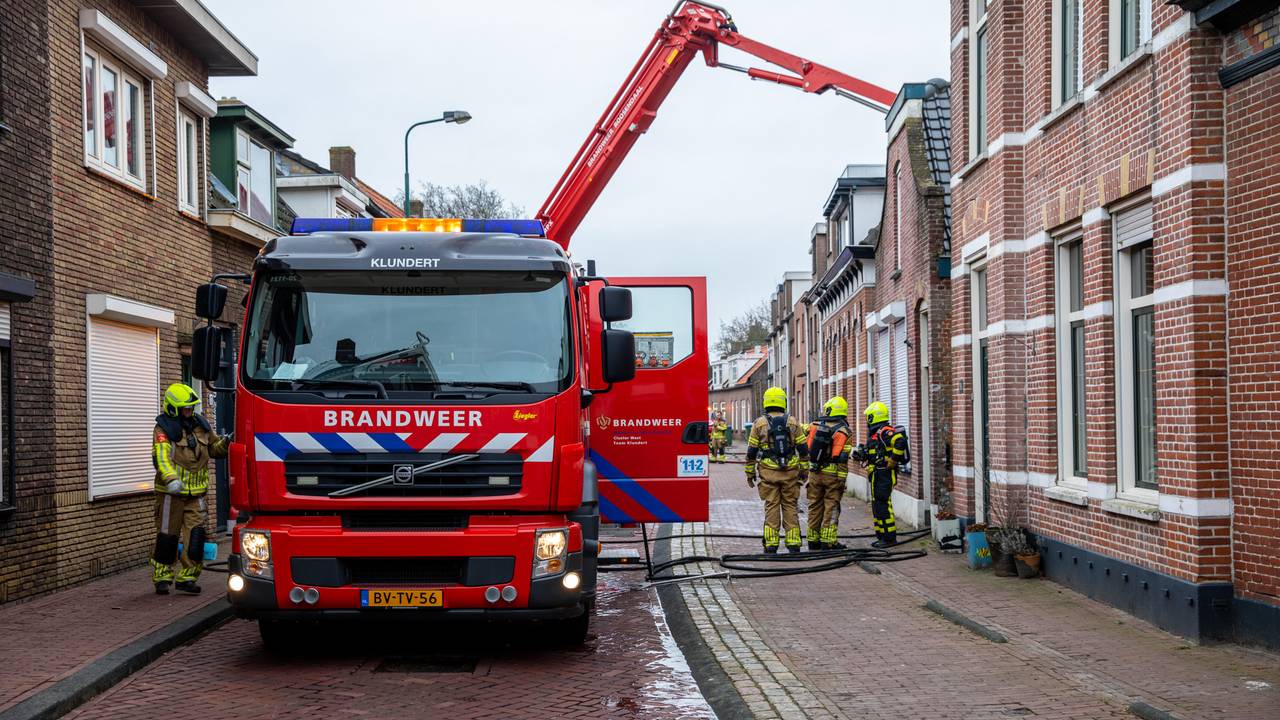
x=306, y=226
x=504, y=225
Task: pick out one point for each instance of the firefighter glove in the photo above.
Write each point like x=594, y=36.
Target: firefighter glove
x=173, y=487
x=751, y=479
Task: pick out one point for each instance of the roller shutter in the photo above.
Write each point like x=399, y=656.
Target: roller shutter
x=1133, y=226
x=884, y=370
x=123, y=400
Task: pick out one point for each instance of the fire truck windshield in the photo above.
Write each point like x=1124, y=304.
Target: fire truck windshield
x=409, y=333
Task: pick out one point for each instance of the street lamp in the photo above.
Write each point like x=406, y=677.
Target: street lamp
x=450, y=116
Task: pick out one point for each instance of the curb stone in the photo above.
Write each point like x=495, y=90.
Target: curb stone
x=716, y=687
x=102, y=673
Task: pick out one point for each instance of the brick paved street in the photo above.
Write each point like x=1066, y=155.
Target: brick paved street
x=45, y=640
x=852, y=644
x=631, y=667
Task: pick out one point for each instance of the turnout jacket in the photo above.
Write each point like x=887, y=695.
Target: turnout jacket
x=886, y=448
x=776, y=468
x=181, y=454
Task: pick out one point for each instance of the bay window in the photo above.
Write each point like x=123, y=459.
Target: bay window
x=253, y=179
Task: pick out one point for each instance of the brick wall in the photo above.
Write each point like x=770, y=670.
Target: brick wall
x=105, y=237
x=1253, y=316
x=28, y=533
x=1157, y=126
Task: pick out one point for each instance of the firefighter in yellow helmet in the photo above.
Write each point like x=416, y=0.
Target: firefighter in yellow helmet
x=885, y=451
x=830, y=443
x=182, y=445
x=719, y=436
x=777, y=443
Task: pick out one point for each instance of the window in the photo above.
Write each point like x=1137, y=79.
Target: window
x=1134, y=29
x=190, y=140
x=253, y=180
x=1069, y=317
x=124, y=393
x=113, y=118
x=1068, y=58
x=897, y=215
x=1136, y=353
x=978, y=71
x=981, y=386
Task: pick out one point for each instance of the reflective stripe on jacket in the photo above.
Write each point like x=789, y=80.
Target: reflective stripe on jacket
x=758, y=443
x=185, y=458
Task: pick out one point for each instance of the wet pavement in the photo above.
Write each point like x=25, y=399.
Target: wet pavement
x=629, y=667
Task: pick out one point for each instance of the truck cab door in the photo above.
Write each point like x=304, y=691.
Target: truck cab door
x=648, y=436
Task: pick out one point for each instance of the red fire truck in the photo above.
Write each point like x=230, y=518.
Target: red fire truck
x=432, y=416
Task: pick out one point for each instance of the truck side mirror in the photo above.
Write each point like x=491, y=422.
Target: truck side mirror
x=210, y=300
x=615, y=303
x=618, y=354
x=206, y=352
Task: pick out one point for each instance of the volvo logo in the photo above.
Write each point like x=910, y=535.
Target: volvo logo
x=402, y=474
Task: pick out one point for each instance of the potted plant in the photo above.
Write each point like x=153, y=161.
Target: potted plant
x=1001, y=559
x=1026, y=558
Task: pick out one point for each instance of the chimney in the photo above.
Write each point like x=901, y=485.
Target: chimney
x=415, y=208
x=342, y=160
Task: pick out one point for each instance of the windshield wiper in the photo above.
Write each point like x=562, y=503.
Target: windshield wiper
x=496, y=385
x=301, y=383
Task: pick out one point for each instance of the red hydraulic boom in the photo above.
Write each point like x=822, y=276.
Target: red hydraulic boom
x=692, y=26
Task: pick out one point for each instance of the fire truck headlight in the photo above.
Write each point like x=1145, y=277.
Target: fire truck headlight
x=551, y=544
x=256, y=545
x=571, y=581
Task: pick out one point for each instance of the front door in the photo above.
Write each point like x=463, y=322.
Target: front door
x=648, y=436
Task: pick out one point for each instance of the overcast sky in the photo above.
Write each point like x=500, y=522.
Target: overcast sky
x=728, y=181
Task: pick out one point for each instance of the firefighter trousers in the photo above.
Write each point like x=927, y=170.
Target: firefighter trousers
x=717, y=450
x=178, y=515
x=882, y=482
x=781, y=516
x=824, y=491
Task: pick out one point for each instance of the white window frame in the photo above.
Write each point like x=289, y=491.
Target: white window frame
x=1126, y=420
x=5, y=346
x=1061, y=93
x=978, y=15
x=897, y=215
x=245, y=164
x=977, y=272
x=186, y=156
x=1065, y=318
x=1116, y=12
x=95, y=157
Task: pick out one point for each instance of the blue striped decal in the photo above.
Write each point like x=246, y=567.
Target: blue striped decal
x=391, y=442
x=333, y=442
x=633, y=490
x=611, y=511
x=276, y=443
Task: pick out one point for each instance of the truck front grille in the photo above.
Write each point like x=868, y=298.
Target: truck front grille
x=487, y=475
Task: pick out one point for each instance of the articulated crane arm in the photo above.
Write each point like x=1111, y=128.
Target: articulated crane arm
x=691, y=27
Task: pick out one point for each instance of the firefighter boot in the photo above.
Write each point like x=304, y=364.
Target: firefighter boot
x=793, y=539
x=771, y=539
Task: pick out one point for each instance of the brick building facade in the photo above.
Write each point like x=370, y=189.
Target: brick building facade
x=95, y=96
x=1113, y=376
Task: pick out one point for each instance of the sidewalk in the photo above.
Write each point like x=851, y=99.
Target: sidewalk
x=853, y=644
x=59, y=637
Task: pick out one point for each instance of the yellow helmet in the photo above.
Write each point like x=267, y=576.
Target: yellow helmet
x=775, y=397
x=877, y=413
x=178, y=396
x=836, y=407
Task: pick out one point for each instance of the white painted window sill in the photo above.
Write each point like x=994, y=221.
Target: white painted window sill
x=1067, y=495
x=1110, y=76
x=1133, y=509
x=1066, y=108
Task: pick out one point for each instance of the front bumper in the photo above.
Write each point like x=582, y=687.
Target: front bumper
x=305, y=556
